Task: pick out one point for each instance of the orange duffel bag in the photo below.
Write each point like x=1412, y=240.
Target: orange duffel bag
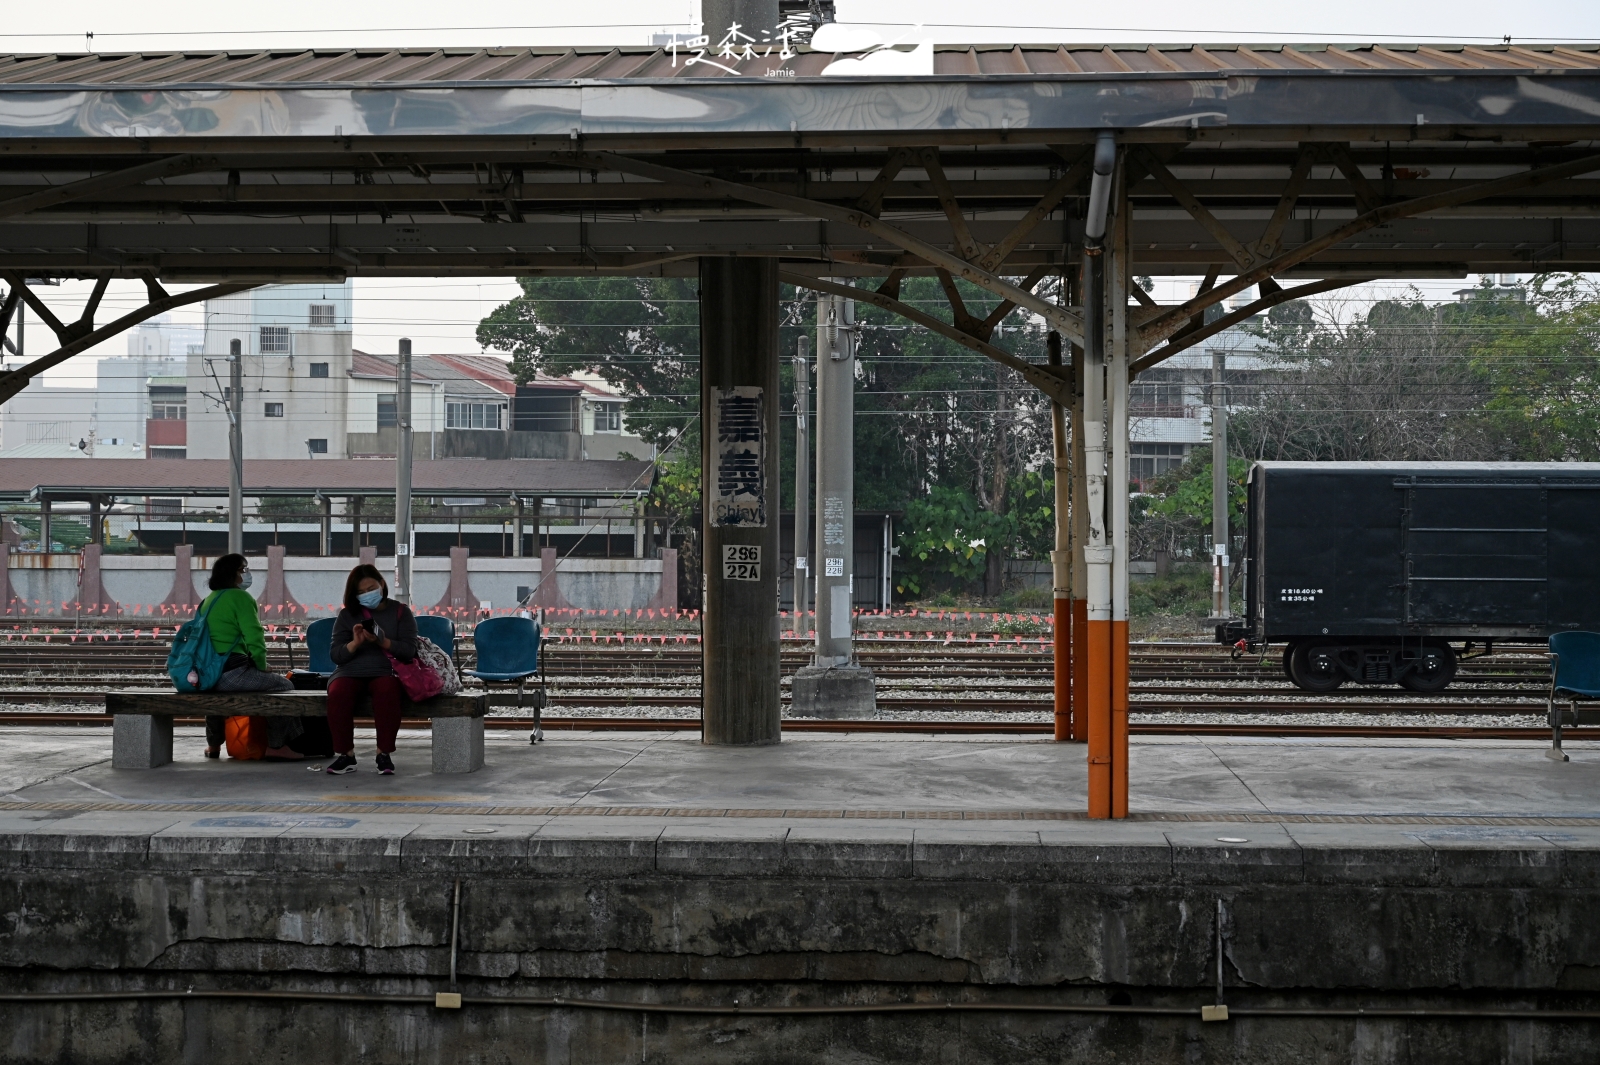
x=247, y=737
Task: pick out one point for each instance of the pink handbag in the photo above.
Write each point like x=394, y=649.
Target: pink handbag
x=419, y=681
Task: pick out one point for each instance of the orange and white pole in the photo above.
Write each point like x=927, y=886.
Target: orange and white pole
x=1080, y=567
x=1119, y=277
x=1061, y=559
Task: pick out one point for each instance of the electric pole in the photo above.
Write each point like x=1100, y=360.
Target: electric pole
x=1219, y=488
x=802, y=481
x=402, y=476
x=235, y=448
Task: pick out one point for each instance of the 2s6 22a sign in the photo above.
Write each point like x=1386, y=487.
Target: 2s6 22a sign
x=741, y=562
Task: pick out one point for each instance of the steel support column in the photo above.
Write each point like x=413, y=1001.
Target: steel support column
x=1119, y=276
x=739, y=626
x=402, y=474
x=1097, y=550
x=1078, y=508
x=1061, y=558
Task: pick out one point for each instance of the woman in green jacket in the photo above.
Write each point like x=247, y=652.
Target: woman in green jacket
x=235, y=627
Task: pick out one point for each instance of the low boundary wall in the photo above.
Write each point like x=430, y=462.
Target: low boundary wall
x=137, y=586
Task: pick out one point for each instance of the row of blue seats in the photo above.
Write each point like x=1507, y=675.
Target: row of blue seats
x=508, y=648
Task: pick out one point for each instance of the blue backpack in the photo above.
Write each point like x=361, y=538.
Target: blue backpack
x=193, y=664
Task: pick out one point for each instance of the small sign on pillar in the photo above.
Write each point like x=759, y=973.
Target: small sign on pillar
x=739, y=492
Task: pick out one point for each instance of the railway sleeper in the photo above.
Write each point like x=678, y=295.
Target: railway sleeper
x=1321, y=664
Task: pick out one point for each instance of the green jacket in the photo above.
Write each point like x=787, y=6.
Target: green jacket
x=233, y=620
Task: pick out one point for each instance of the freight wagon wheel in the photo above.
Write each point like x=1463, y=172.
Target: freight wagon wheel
x=1314, y=668
x=1288, y=661
x=1435, y=668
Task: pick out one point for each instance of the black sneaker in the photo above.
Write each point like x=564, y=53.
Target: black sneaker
x=385, y=764
x=345, y=763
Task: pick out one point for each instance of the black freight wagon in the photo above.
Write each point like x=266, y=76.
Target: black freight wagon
x=1369, y=571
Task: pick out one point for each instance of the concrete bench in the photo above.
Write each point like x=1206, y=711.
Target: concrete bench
x=141, y=732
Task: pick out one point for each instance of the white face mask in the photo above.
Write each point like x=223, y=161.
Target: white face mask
x=370, y=599
x=246, y=579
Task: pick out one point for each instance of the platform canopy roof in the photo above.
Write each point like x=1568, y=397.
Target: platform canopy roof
x=31, y=479
x=1253, y=163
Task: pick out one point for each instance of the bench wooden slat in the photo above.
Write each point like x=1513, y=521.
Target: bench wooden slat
x=160, y=702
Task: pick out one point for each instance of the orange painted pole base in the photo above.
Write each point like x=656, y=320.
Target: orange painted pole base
x=1100, y=740
x=1119, y=719
x=1063, y=668
x=1080, y=670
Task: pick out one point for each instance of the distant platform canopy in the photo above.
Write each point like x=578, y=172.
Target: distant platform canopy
x=63, y=479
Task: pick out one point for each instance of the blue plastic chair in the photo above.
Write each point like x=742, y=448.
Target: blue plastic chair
x=508, y=650
x=441, y=631
x=1574, y=674
x=319, y=641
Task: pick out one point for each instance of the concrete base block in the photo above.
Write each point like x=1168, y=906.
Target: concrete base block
x=457, y=744
x=834, y=692
x=141, y=741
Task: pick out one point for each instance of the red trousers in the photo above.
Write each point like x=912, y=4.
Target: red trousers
x=344, y=693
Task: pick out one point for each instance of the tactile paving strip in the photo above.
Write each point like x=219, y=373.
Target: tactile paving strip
x=488, y=810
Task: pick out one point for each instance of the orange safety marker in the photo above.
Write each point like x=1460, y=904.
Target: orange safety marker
x=1098, y=655
x=1119, y=718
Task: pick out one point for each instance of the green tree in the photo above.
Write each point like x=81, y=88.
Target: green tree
x=1542, y=372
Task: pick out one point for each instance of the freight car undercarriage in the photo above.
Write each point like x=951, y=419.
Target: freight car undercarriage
x=1323, y=663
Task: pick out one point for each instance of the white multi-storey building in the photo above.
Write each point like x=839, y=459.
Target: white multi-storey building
x=1169, y=407
x=295, y=341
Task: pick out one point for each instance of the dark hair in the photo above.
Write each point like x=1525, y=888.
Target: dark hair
x=225, y=572
x=352, y=584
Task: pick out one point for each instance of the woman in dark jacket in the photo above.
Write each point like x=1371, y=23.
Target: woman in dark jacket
x=369, y=629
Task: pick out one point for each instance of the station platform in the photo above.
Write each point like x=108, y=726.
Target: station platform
x=637, y=896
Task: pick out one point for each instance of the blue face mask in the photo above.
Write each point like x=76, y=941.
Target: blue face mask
x=246, y=579
x=370, y=599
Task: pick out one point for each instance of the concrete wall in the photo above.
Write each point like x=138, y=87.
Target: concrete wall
x=700, y=914
x=318, y=583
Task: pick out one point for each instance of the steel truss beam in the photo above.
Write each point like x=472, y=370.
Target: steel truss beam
x=131, y=175
x=1055, y=382
x=81, y=335
x=1165, y=323
x=1069, y=324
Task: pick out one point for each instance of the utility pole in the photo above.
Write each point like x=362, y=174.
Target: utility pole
x=1219, y=488
x=802, y=480
x=402, y=476
x=235, y=448
x=834, y=685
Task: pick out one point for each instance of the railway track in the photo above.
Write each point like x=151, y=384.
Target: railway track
x=1008, y=685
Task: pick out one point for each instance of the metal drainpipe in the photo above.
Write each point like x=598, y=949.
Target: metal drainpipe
x=1119, y=276
x=1096, y=550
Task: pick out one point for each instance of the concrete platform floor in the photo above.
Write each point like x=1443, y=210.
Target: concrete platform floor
x=1495, y=785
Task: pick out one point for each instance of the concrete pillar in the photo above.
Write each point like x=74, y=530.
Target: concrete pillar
x=184, y=597
x=739, y=432
x=459, y=601
x=355, y=524
x=44, y=524
x=92, y=596
x=516, y=526
x=325, y=540
x=97, y=531
x=834, y=685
